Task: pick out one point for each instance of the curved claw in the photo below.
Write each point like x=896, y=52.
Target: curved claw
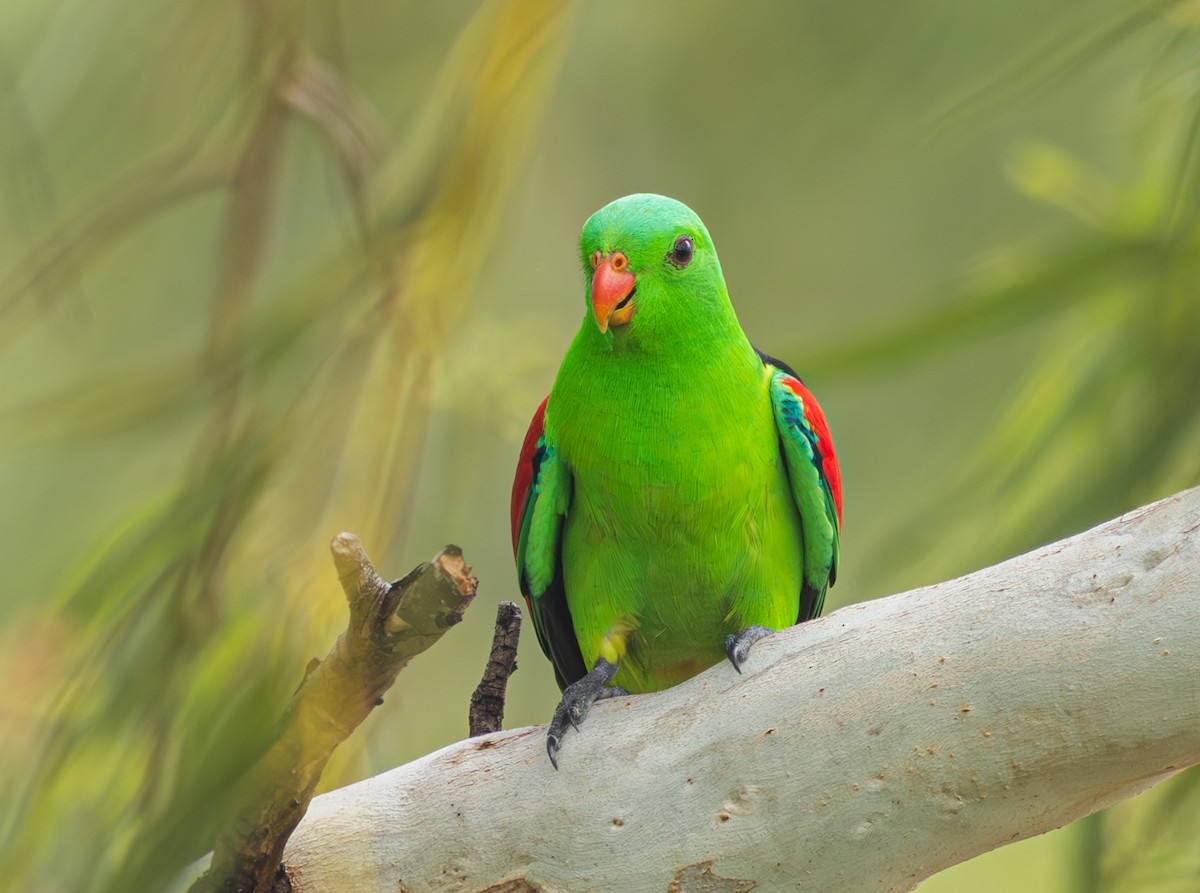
x=738, y=645
x=577, y=700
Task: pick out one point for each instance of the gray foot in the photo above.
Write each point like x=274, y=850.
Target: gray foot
x=576, y=701
x=738, y=646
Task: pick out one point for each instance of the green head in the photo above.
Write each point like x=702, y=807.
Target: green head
x=652, y=273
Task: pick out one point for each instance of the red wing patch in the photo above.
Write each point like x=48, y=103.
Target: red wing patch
x=820, y=428
x=524, y=477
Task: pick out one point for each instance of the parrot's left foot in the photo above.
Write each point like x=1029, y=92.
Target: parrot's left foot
x=737, y=646
x=577, y=700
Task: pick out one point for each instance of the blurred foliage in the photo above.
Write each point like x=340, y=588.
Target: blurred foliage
x=1105, y=410
x=301, y=408
x=270, y=270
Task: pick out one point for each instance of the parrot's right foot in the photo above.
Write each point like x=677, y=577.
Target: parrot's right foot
x=577, y=700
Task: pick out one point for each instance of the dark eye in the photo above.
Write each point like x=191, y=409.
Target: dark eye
x=681, y=253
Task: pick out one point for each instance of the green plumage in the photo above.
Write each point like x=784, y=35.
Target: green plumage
x=663, y=496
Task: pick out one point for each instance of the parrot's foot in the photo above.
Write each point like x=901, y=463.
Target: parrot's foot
x=738, y=646
x=577, y=700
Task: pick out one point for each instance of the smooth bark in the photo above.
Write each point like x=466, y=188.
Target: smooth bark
x=861, y=752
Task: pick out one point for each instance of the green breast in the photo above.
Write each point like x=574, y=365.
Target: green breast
x=681, y=527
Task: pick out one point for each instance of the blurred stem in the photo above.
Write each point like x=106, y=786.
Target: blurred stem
x=1090, y=878
x=247, y=227
x=1053, y=285
x=195, y=602
x=28, y=184
x=1051, y=61
x=54, y=261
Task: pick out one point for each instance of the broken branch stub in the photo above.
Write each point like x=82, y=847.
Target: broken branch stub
x=487, y=701
x=429, y=600
x=390, y=623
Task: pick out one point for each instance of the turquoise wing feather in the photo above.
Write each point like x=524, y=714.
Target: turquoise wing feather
x=540, y=498
x=816, y=485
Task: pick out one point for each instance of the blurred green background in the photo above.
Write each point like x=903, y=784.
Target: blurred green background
x=274, y=269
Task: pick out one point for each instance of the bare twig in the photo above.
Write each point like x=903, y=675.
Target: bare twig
x=390, y=623
x=487, y=702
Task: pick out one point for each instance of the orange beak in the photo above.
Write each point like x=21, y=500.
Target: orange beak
x=613, y=285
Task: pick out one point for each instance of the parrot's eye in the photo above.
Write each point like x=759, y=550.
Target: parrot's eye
x=681, y=254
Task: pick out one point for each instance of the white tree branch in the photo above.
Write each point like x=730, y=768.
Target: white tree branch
x=861, y=752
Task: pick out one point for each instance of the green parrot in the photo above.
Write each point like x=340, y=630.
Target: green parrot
x=677, y=495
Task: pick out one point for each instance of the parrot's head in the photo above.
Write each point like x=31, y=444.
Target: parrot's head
x=650, y=268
